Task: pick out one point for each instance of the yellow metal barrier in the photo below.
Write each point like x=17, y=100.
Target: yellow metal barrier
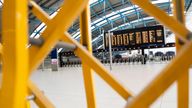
x=55, y=28
x=19, y=61
x=85, y=23
x=98, y=67
x=36, y=9
x=86, y=40
x=162, y=17
x=174, y=71
x=170, y=74
x=15, y=57
x=40, y=98
x=183, y=81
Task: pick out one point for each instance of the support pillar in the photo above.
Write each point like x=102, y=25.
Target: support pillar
x=60, y=60
x=54, y=60
x=110, y=49
x=143, y=54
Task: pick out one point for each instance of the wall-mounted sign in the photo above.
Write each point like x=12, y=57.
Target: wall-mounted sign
x=138, y=37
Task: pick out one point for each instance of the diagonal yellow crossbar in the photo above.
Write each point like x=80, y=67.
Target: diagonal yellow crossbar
x=39, y=12
x=98, y=67
x=56, y=21
x=117, y=84
x=90, y=93
x=170, y=74
x=174, y=70
x=40, y=98
x=55, y=28
x=170, y=22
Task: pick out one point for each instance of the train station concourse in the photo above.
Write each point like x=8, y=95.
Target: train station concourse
x=95, y=53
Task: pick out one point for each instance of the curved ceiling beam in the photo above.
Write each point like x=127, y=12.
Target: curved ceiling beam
x=114, y=18
x=108, y=20
x=120, y=13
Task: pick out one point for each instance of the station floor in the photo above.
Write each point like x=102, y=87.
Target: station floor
x=65, y=88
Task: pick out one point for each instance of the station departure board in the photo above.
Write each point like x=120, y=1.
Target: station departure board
x=138, y=37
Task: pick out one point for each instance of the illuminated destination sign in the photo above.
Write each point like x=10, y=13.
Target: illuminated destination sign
x=138, y=37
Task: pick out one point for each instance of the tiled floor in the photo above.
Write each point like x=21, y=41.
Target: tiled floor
x=66, y=90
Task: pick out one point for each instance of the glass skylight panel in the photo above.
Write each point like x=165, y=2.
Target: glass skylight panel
x=92, y=27
x=100, y=19
x=111, y=14
x=126, y=9
x=39, y=28
x=127, y=12
x=102, y=22
x=76, y=34
x=138, y=20
x=97, y=38
x=129, y=24
x=77, y=37
x=104, y=17
x=100, y=46
x=37, y=36
x=188, y=18
x=92, y=1
x=160, y=1
x=1, y=2
x=33, y=34
x=115, y=16
x=60, y=49
x=54, y=14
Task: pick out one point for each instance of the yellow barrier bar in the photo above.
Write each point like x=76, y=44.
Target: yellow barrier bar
x=51, y=40
x=87, y=71
x=170, y=74
x=55, y=29
x=1, y=49
x=1, y=53
x=183, y=81
x=183, y=89
x=162, y=17
x=40, y=98
x=40, y=13
x=46, y=19
x=28, y=105
x=98, y=67
x=15, y=54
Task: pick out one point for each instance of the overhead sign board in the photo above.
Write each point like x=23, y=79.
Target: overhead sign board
x=138, y=37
